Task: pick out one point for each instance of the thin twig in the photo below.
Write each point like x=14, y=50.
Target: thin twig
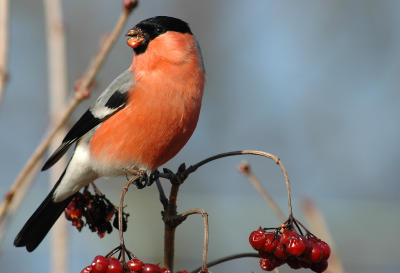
x=120, y=213
x=77, y=98
x=244, y=167
x=170, y=215
x=276, y=159
x=18, y=198
x=57, y=89
x=205, y=241
x=4, y=30
x=319, y=226
x=163, y=197
x=228, y=258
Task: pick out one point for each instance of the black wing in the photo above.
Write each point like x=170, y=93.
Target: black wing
x=110, y=101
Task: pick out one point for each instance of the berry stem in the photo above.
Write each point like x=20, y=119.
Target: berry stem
x=297, y=226
x=95, y=189
x=120, y=213
x=276, y=159
x=298, y=222
x=112, y=252
x=205, y=242
x=228, y=258
x=244, y=167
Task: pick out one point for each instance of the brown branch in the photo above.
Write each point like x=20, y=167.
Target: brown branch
x=18, y=197
x=170, y=225
x=170, y=217
x=78, y=97
x=57, y=89
x=276, y=159
x=244, y=167
x=4, y=32
x=205, y=241
x=228, y=258
x=120, y=213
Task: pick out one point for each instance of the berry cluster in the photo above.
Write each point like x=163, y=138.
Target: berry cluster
x=103, y=264
x=97, y=211
x=285, y=245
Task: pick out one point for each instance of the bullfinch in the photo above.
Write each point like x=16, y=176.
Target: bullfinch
x=141, y=120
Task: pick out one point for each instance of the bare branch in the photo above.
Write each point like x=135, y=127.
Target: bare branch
x=229, y=258
x=205, y=241
x=57, y=89
x=244, y=167
x=169, y=218
x=276, y=159
x=120, y=214
x=78, y=97
x=4, y=33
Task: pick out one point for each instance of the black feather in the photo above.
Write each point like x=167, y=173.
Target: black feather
x=155, y=26
x=39, y=224
x=86, y=123
x=117, y=99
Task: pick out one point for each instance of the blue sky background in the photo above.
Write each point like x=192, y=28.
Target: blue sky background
x=314, y=82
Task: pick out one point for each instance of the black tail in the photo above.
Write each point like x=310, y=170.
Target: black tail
x=36, y=228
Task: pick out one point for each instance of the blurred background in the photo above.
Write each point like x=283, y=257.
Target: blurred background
x=314, y=82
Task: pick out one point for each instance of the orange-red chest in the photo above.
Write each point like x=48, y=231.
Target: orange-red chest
x=159, y=118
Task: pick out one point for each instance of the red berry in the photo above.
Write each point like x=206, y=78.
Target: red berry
x=319, y=267
x=114, y=266
x=100, y=264
x=267, y=264
x=257, y=239
x=295, y=246
x=271, y=241
x=293, y=262
x=287, y=235
x=315, y=254
x=135, y=265
x=280, y=252
x=151, y=268
x=165, y=270
x=87, y=269
x=326, y=250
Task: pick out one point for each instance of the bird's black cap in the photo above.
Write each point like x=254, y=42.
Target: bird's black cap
x=151, y=28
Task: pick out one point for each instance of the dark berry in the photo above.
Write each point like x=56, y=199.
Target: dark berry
x=293, y=262
x=267, y=264
x=114, y=266
x=151, y=268
x=135, y=265
x=100, y=264
x=87, y=269
x=319, y=267
x=257, y=239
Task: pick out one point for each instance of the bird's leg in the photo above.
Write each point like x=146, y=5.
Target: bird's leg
x=142, y=179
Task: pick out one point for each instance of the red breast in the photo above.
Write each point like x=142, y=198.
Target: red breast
x=163, y=106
